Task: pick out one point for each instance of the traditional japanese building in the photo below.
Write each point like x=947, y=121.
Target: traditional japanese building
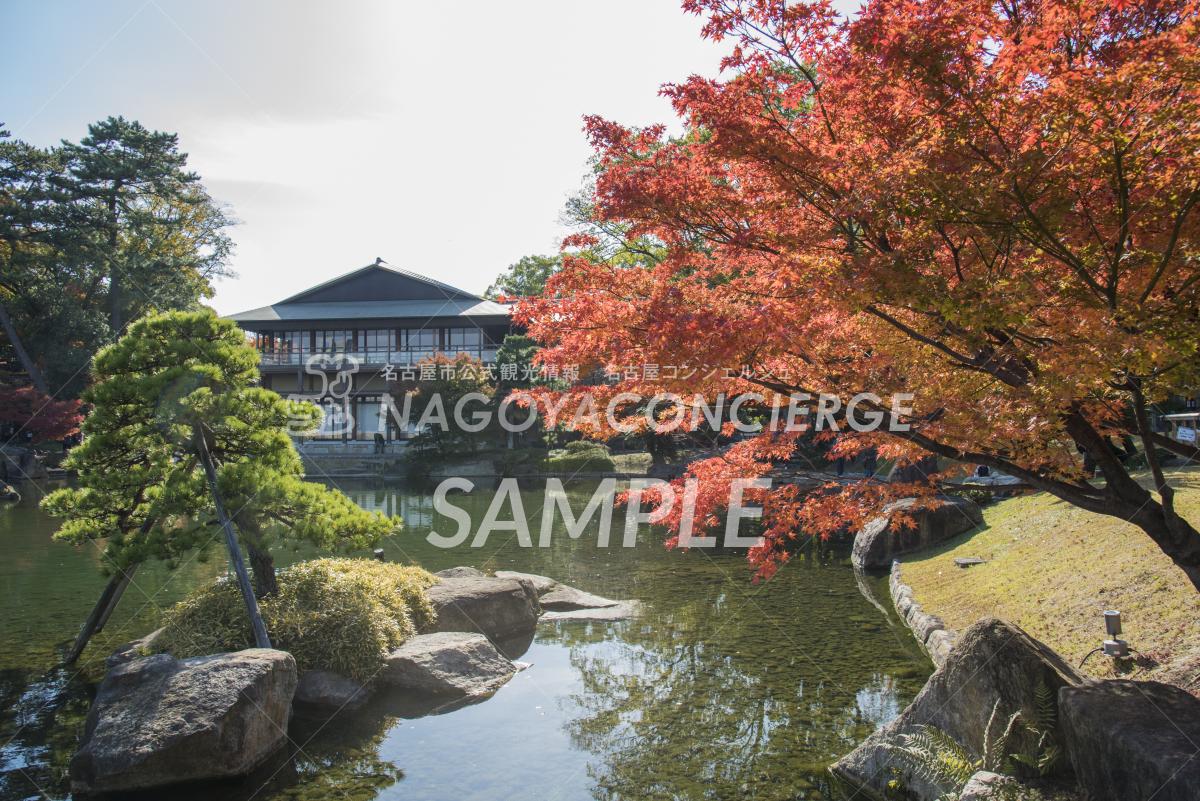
x=351, y=340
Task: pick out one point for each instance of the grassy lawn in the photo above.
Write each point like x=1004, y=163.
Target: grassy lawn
x=1053, y=569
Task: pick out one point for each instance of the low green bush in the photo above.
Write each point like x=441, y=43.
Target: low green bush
x=342, y=615
x=583, y=456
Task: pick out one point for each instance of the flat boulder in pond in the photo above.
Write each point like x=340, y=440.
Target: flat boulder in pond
x=882, y=539
x=323, y=690
x=619, y=610
x=160, y=720
x=563, y=598
x=992, y=661
x=448, y=663
x=541, y=584
x=496, y=607
x=1132, y=739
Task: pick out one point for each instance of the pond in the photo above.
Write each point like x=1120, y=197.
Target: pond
x=721, y=689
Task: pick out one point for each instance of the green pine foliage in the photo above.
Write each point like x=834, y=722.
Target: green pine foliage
x=341, y=615
x=176, y=377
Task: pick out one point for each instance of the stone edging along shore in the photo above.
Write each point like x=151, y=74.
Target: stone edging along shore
x=929, y=629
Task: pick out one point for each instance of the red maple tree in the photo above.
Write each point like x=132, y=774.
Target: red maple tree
x=42, y=417
x=988, y=205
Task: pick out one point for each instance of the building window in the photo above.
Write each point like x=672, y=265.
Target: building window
x=421, y=339
x=334, y=341
x=464, y=340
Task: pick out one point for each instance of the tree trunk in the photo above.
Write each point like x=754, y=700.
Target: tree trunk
x=35, y=375
x=261, y=561
x=263, y=565
x=115, y=317
x=1176, y=537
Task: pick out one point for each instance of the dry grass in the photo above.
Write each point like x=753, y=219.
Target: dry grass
x=1053, y=568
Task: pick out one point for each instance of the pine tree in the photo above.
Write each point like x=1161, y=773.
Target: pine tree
x=180, y=386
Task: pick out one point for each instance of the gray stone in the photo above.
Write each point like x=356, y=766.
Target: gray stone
x=564, y=598
x=160, y=720
x=987, y=786
x=327, y=690
x=620, y=610
x=1132, y=739
x=133, y=649
x=925, y=625
x=541, y=584
x=460, y=572
x=448, y=663
x=879, y=541
x=18, y=464
x=938, y=646
x=497, y=607
x=992, y=660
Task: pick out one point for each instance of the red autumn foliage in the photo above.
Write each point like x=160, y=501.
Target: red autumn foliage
x=990, y=206
x=41, y=416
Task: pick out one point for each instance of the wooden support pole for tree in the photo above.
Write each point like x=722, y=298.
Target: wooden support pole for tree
x=261, y=639
x=100, y=612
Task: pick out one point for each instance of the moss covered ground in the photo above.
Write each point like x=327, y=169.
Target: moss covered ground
x=1053, y=568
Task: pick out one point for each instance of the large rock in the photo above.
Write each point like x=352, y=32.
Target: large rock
x=879, y=541
x=448, y=663
x=497, y=607
x=1132, y=740
x=991, y=661
x=326, y=691
x=160, y=720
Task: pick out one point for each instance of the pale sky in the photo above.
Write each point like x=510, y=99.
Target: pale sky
x=444, y=137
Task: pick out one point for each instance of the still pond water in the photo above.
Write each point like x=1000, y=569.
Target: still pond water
x=722, y=689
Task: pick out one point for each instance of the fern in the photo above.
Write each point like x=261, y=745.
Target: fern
x=1045, y=753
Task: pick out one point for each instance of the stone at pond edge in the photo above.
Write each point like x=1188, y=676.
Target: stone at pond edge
x=541, y=584
x=1132, y=739
x=133, y=649
x=459, y=572
x=496, y=607
x=564, y=598
x=620, y=610
x=159, y=720
x=448, y=663
x=325, y=690
x=991, y=660
x=878, y=542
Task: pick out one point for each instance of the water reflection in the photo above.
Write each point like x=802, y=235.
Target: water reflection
x=721, y=689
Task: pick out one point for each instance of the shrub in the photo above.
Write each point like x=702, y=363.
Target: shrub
x=342, y=615
x=580, y=456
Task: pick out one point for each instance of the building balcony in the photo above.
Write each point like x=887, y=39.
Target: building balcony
x=364, y=358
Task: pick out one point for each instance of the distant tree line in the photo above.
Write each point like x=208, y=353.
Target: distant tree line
x=94, y=234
